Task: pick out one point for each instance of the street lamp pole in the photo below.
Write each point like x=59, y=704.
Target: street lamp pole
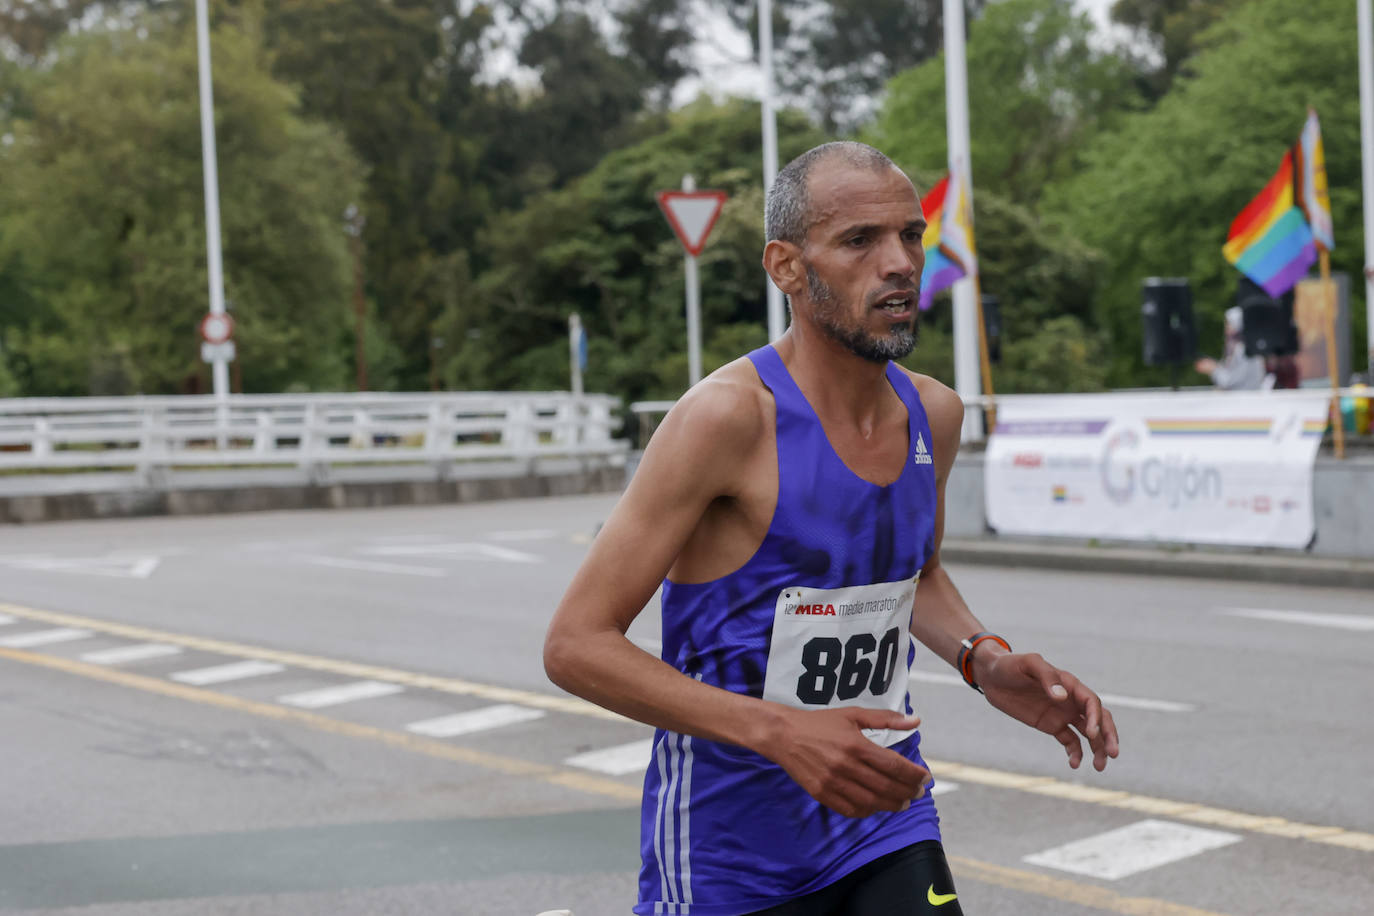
x=219, y=367
x=776, y=319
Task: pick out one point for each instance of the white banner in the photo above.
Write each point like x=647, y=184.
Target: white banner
x=1183, y=467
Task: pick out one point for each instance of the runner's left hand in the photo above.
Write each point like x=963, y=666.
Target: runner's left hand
x=1026, y=687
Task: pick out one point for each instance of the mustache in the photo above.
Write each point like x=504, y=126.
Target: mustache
x=896, y=288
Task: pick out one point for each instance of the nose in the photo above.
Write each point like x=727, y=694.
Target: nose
x=900, y=260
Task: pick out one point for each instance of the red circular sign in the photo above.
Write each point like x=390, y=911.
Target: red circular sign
x=216, y=329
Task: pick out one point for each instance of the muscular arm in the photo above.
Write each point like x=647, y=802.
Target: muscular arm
x=1023, y=685
x=696, y=457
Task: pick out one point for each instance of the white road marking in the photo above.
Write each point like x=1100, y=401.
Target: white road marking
x=218, y=674
x=475, y=720
x=344, y=693
x=1128, y=850
x=135, y=653
x=368, y=566
x=118, y=565
x=533, y=534
x=1112, y=700
x=43, y=637
x=941, y=786
x=5, y=619
x=462, y=550
x=616, y=761
x=1357, y=622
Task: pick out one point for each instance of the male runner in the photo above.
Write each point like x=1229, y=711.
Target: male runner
x=790, y=505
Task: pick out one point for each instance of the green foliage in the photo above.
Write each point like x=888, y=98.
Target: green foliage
x=102, y=245
x=1157, y=195
x=1038, y=90
x=600, y=247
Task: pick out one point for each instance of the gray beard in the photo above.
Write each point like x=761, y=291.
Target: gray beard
x=896, y=344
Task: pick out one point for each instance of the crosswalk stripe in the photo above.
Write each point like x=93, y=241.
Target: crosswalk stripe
x=135, y=653
x=475, y=720
x=218, y=674
x=43, y=637
x=1131, y=849
x=342, y=693
x=616, y=761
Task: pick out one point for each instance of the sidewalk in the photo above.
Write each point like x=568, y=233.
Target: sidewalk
x=1280, y=568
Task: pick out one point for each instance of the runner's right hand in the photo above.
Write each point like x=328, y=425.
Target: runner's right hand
x=826, y=753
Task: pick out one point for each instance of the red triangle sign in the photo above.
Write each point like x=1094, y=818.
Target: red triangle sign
x=692, y=214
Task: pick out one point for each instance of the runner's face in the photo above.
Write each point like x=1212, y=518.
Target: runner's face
x=863, y=259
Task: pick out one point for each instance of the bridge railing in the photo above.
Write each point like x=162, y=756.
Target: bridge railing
x=304, y=430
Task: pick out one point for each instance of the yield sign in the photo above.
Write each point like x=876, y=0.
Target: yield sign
x=691, y=214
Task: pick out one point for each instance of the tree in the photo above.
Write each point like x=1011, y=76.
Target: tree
x=1156, y=195
x=1171, y=30
x=1038, y=91
x=102, y=245
x=600, y=247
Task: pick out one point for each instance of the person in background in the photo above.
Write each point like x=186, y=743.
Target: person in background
x=1234, y=371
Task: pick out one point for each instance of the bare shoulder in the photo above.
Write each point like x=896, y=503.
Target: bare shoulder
x=714, y=431
x=944, y=407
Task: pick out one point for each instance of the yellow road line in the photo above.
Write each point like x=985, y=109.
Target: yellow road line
x=333, y=666
x=402, y=740
x=1039, y=785
x=1069, y=891
x=1015, y=879
x=1163, y=807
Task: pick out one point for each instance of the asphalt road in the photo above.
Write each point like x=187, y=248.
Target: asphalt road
x=386, y=741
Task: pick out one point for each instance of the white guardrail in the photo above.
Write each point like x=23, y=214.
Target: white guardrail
x=304, y=430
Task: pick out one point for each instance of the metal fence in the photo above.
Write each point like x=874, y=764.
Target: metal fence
x=303, y=430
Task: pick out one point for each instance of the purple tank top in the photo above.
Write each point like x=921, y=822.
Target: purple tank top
x=818, y=617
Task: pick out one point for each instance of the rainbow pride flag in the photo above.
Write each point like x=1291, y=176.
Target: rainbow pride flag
x=948, y=242
x=1269, y=241
x=1312, y=194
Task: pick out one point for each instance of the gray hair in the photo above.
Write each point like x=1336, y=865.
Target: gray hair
x=787, y=210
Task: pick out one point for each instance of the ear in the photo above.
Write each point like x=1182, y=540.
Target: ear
x=783, y=262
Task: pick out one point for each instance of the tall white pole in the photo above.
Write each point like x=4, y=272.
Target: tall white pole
x=1366, y=35
x=770, y=150
x=967, y=380
x=689, y=270
x=220, y=368
x=575, y=352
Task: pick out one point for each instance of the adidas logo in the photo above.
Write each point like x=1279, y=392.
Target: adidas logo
x=922, y=453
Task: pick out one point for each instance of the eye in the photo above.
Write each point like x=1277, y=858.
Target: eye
x=856, y=241
x=913, y=235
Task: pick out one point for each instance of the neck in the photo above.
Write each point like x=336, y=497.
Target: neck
x=836, y=381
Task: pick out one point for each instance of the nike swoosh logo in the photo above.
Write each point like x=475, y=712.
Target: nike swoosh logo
x=938, y=899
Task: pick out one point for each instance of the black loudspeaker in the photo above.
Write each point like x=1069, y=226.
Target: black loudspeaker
x=1167, y=312
x=992, y=327
x=1266, y=323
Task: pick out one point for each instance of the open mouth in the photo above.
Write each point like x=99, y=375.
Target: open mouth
x=897, y=305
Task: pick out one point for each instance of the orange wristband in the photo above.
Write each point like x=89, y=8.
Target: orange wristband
x=965, y=660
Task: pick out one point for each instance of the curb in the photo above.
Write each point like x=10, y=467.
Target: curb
x=1273, y=568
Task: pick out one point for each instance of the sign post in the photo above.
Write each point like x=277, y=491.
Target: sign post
x=692, y=214
x=219, y=362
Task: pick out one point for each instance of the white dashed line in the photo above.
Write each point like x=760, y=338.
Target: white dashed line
x=1112, y=700
x=125, y=654
x=616, y=761
x=343, y=693
x=941, y=786
x=1138, y=847
x=369, y=566
x=43, y=637
x=461, y=550
x=218, y=674
x=5, y=619
x=1355, y=622
x=475, y=720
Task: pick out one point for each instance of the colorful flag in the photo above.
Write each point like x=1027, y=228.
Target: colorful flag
x=1269, y=241
x=948, y=239
x=1312, y=194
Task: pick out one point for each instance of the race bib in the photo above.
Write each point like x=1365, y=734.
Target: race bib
x=835, y=647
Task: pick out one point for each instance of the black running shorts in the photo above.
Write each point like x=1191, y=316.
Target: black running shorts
x=914, y=881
